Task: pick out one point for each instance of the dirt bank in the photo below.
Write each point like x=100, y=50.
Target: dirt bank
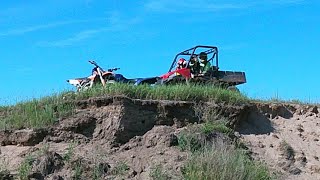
x=130, y=139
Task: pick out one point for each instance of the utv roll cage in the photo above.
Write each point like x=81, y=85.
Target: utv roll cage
x=211, y=51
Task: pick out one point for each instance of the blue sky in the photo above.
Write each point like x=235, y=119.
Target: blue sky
x=43, y=43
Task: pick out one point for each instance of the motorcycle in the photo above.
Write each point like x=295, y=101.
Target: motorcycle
x=99, y=75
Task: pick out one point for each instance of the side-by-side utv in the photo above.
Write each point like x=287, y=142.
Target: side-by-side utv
x=227, y=79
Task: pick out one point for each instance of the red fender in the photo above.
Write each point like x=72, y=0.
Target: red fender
x=185, y=72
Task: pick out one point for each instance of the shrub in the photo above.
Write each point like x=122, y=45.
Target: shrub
x=189, y=142
x=219, y=126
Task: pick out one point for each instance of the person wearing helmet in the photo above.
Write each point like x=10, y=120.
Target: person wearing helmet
x=194, y=65
x=182, y=63
x=205, y=65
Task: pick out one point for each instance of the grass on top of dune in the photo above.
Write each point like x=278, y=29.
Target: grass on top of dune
x=45, y=111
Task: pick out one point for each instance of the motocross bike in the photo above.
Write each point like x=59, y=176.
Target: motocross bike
x=106, y=77
x=97, y=75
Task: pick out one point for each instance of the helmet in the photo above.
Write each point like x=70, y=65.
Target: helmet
x=203, y=57
x=182, y=63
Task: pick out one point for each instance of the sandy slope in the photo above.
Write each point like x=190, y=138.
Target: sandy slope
x=288, y=142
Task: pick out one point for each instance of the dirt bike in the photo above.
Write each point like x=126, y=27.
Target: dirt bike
x=98, y=75
x=106, y=77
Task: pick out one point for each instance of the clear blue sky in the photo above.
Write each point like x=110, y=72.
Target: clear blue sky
x=43, y=43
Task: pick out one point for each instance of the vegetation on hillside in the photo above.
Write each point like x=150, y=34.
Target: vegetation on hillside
x=181, y=92
x=45, y=111
x=217, y=159
x=222, y=162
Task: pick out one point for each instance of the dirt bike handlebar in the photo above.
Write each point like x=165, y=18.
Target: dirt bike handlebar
x=113, y=69
x=110, y=70
x=94, y=63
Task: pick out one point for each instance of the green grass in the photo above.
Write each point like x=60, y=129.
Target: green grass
x=190, y=138
x=25, y=167
x=97, y=172
x=219, y=126
x=78, y=170
x=35, y=113
x=220, y=160
x=120, y=169
x=220, y=163
x=70, y=152
x=189, y=142
x=4, y=163
x=181, y=92
x=158, y=173
x=278, y=100
x=43, y=112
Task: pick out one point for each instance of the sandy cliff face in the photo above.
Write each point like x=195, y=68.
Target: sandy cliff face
x=131, y=138
x=286, y=137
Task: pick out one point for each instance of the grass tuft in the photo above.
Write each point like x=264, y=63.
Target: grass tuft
x=120, y=169
x=287, y=150
x=219, y=126
x=189, y=142
x=25, y=167
x=70, y=152
x=158, y=173
x=78, y=170
x=222, y=162
x=4, y=163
